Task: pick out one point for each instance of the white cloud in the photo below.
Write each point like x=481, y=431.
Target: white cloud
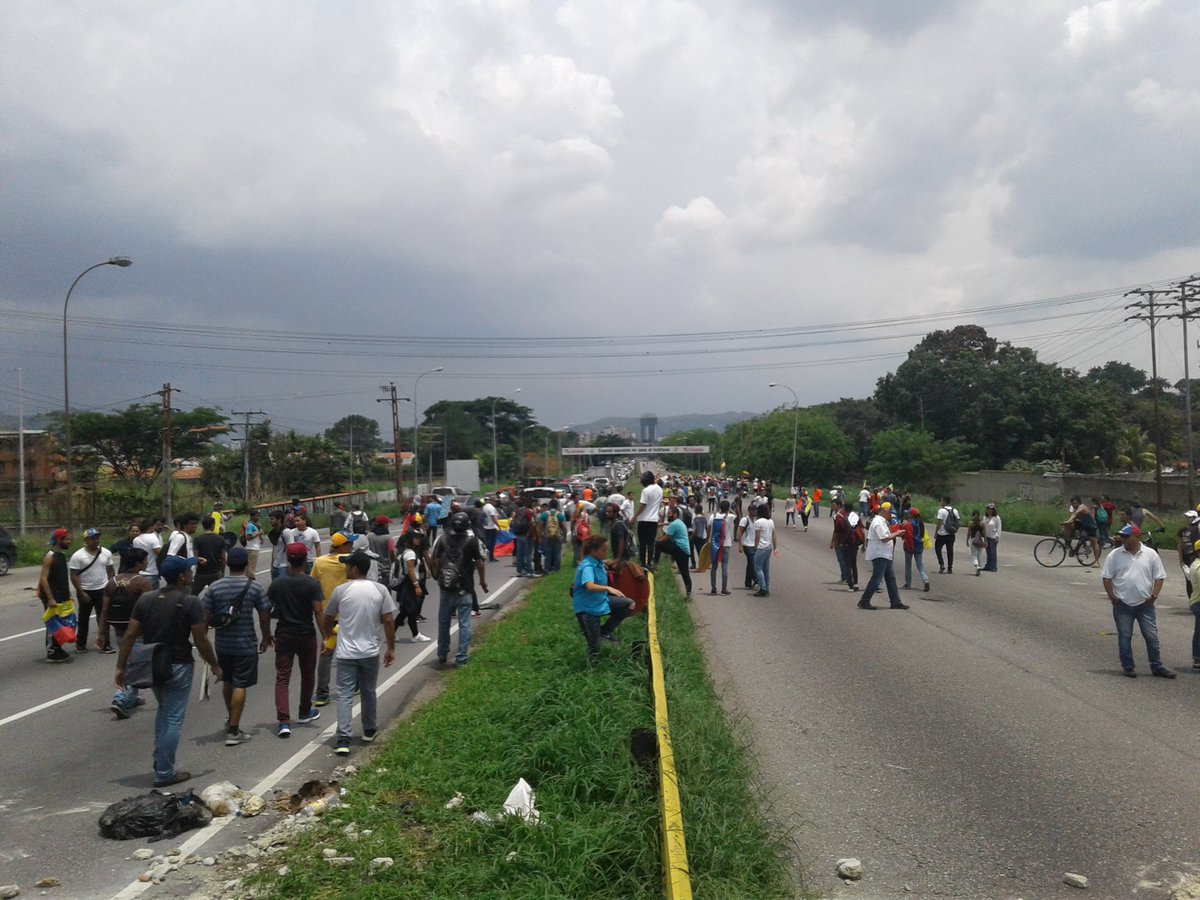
x=1105, y=23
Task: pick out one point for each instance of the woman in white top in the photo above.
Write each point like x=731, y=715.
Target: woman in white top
x=745, y=527
x=764, y=546
x=721, y=527
x=647, y=515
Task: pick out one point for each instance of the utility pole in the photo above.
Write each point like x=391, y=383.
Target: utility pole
x=390, y=390
x=1189, y=289
x=21, y=446
x=1148, y=312
x=246, y=449
x=165, y=393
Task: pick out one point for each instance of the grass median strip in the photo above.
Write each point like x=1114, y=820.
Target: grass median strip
x=529, y=707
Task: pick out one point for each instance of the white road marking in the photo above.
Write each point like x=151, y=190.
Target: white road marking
x=41, y=706
x=201, y=837
x=13, y=637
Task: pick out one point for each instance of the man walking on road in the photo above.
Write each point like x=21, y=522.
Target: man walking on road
x=1133, y=578
x=227, y=604
x=943, y=538
x=456, y=557
x=358, y=607
x=175, y=617
x=302, y=533
x=330, y=572
x=992, y=531
x=54, y=586
x=150, y=540
x=297, y=603
x=880, y=547
x=122, y=593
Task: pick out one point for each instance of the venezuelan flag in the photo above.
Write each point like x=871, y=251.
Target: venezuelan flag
x=504, y=540
x=61, y=622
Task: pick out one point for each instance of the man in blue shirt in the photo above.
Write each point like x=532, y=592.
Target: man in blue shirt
x=432, y=514
x=236, y=643
x=593, y=597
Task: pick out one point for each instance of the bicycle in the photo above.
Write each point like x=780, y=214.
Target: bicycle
x=1051, y=551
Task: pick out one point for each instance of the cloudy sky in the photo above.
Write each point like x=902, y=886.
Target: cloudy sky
x=617, y=206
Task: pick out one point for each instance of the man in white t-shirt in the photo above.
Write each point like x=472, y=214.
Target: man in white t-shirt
x=864, y=501
x=648, y=510
x=627, y=508
x=358, y=607
x=150, y=540
x=764, y=546
x=302, y=533
x=90, y=569
x=943, y=537
x=491, y=528
x=880, y=547
x=1133, y=577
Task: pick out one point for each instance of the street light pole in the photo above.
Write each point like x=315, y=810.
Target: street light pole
x=495, y=465
x=795, y=428
x=417, y=430
x=123, y=262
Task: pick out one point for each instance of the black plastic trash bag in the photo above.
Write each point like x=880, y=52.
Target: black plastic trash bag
x=154, y=816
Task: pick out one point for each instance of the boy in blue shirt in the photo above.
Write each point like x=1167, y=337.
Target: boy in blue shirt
x=593, y=597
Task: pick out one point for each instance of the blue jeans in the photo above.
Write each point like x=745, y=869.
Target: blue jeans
x=126, y=697
x=172, y=700
x=1125, y=615
x=724, y=564
x=762, y=568
x=883, y=570
x=917, y=556
x=552, y=555
x=362, y=674
x=523, y=554
x=1195, y=607
x=278, y=572
x=842, y=569
x=452, y=603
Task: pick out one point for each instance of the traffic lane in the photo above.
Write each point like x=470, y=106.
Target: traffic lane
x=944, y=763
x=66, y=764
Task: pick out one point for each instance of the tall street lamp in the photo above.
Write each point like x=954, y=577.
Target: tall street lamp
x=123, y=262
x=495, y=465
x=417, y=432
x=795, y=428
x=561, y=431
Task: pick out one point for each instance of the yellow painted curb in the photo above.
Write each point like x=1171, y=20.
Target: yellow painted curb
x=677, y=884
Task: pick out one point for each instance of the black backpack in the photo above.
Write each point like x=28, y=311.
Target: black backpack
x=519, y=524
x=121, y=600
x=451, y=562
x=951, y=523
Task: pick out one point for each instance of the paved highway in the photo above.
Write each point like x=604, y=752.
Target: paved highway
x=980, y=744
x=64, y=757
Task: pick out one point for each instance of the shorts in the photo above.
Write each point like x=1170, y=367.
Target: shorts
x=241, y=671
x=1090, y=530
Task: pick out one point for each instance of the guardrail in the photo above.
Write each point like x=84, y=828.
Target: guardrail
x=677, y=883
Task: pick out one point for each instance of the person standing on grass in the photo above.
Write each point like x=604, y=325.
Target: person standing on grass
x=455, y=559
x=91, y=568
x=237, y=645
x=647, y=516
x=993, y=529
x=1133, y=578
x=764, y=545
x=553, y=527
x=721, y=528
x=358, y=607
x=880, y=549
x=619, y=535
x=592, y=597
x=914, y=547
x=122, y=592
x=174, y=616
x=675, y=544
x=297, y=606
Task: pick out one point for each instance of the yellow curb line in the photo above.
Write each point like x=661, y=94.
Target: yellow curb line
x=677, y=884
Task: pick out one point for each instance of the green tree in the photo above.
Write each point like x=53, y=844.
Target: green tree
x=860, y=421
x=690, y=461
x=303, y=464
x=915, y=460
x=763, y=447
x=357, y=434
x=1126, y=379
x=130, y=441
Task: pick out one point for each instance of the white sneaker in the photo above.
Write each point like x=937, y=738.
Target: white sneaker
x=420, y=639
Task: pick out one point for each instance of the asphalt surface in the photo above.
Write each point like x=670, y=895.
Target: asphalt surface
x=981, y=744
x=63, y=763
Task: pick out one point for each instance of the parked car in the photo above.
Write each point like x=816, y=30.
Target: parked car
x=8, y=552
x=541, y=495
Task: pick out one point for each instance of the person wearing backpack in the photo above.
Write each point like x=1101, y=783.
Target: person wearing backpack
x=914, y=547
x=358, y=521
x=455, y=560
x=943, y=538
x=553, y=525
x=227, y=604
x=119, y=597
x=518, y=526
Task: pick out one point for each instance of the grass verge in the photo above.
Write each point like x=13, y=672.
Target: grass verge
x=529, y=706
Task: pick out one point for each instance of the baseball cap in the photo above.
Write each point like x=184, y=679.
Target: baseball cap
x=885, y=505
x=339, y=539
x=92, y=532
x=237, y=557
x=991, y=506
x=914, y=512
x=1192, y=514
x=174, y=566
x=360, y=559
x=297, y=551
x=57, y=535
x=382, y=520
x=1130, y=530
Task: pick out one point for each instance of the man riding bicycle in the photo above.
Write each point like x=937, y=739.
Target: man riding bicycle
x=1083, y=519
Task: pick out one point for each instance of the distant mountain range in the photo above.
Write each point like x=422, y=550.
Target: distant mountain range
x=668, y=425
